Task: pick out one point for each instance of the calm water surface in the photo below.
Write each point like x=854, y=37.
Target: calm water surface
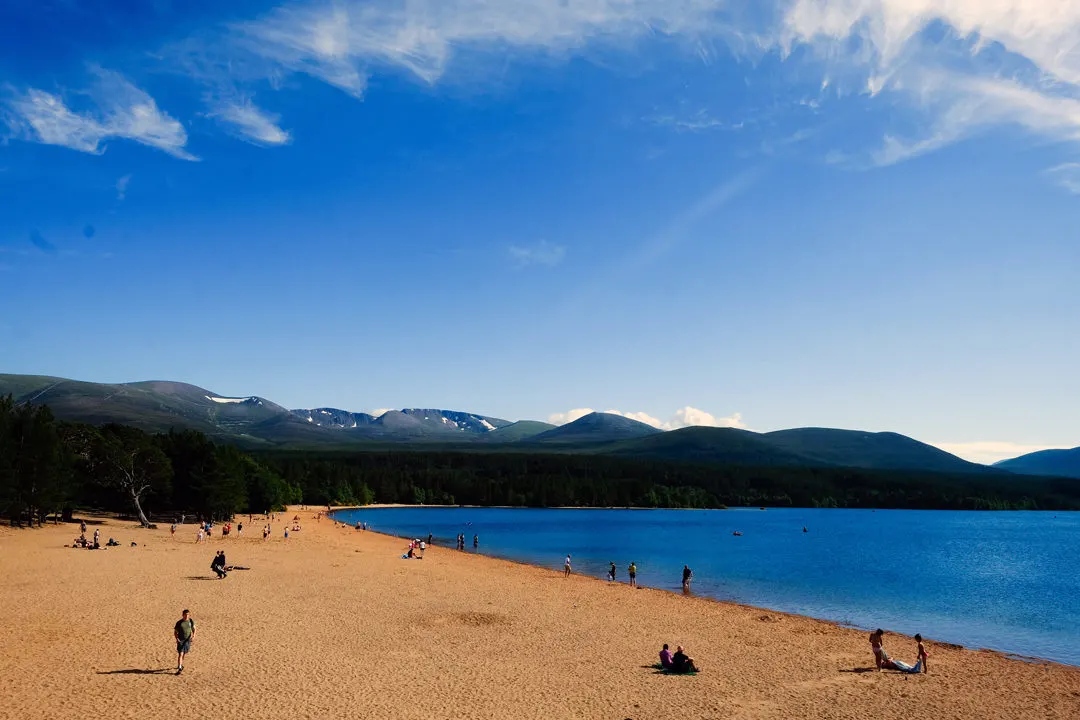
x=1003, y=580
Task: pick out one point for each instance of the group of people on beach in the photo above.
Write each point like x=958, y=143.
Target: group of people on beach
x=677, y=662
x=631, y=570
x=883, y=662
x=416, y=550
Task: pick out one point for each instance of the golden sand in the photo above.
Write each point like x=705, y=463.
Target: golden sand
x=332, y=623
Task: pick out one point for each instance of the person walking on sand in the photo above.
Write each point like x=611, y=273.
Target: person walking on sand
x=184, y=632
x=199, y=537
x=566, y=566
x=633, y=574
x=687, y=576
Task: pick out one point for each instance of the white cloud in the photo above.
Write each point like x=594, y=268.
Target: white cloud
x=1067, y=175
x=699, y=121
x=541, y=253
x=963, y=65
x=1001, y=62
x=341, y=42
x=989, y=452
x=689, y=416
x=569, y=416
x=684, y=417
x=120, y=110
x=962, y=105
x=122, y=186
x=250, y=122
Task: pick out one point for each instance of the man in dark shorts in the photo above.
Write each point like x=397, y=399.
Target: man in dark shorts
x=184, y=632
x=687, y=576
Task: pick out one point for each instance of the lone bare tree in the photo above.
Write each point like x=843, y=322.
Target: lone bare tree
x=124, y=459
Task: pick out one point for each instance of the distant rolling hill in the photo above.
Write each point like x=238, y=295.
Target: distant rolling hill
x=874, y=451
x=593, y=428
x=1059, y=463
x=727, y=446
x=520, y=430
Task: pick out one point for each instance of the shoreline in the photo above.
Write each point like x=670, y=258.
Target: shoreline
x=1005, y=654
x=356, y=629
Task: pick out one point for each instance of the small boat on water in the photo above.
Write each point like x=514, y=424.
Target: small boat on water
x=737, y=533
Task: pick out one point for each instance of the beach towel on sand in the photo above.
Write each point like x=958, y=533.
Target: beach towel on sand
x=669, y=671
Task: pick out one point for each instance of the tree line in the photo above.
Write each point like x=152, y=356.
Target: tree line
x=48, y=468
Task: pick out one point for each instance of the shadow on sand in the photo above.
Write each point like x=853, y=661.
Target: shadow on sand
x=138, y=671
x=199, y=577
x=859, y=670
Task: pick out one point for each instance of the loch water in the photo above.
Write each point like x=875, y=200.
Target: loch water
x=1009, y=581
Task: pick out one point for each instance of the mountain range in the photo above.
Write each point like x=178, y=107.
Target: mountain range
x=253, y=421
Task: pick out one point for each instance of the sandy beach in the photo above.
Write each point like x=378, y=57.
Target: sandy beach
x=332, y=622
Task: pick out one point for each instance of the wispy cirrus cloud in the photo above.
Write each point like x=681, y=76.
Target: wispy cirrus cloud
x=344, y=42
x=250, y=122
x=683, y=417
x=117, y=109
x=1067, y=175
x=122, y=186
x=540, y=253
x=964, y=65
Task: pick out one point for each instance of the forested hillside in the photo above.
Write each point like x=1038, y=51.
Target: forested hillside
x=49, y=468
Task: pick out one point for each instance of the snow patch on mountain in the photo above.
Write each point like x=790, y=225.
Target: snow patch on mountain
x=229, y=400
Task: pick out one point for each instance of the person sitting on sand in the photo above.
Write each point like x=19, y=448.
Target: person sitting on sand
x=218, y=565
x=680, y=663
x=665, y=658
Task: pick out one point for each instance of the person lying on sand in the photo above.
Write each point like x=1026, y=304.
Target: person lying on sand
x=920, y=663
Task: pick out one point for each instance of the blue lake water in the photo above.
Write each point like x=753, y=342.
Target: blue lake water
x=1003, y=580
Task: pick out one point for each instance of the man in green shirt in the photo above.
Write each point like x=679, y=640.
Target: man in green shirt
x=184, y=632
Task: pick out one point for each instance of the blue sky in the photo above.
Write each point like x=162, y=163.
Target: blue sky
x=768, y=214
